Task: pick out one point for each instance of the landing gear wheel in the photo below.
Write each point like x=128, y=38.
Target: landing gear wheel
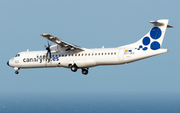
x=16, y=72
x=74, y=68
x=84, y=71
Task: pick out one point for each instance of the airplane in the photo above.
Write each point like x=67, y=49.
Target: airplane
x=67, y=55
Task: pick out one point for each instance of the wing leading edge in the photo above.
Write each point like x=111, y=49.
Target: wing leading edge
x=62, y=43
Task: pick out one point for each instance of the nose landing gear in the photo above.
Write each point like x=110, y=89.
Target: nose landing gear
x=16, y=72
x=16, y=68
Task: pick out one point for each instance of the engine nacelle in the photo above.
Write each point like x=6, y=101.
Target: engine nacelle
x=57, y=48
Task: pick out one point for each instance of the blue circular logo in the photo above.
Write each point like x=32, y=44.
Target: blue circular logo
x=146, y=41
x=155, y=45
x=155, y=33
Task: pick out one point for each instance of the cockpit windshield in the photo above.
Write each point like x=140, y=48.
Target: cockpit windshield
x=18, y=55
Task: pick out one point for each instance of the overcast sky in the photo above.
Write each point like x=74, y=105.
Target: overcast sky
x=89, y=24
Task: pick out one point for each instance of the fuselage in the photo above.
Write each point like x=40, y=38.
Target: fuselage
x=84, y=59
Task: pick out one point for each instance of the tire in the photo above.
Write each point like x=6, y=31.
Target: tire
x=16, y=72
x=74, y=68
x=84, y=71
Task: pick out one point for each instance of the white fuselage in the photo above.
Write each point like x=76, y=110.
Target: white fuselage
x=84, y=59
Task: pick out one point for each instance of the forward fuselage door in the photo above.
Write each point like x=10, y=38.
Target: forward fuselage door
x=16, y=60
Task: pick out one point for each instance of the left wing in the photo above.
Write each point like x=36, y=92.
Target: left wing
x=62, y=43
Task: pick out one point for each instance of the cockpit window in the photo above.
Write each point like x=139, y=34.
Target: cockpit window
x=18, y=55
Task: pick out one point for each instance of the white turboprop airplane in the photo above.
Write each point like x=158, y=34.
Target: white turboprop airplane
x=74, y=57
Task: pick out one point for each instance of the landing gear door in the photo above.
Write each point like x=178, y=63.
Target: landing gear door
x=121, y=54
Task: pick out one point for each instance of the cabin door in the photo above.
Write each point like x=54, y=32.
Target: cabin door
x=121, y=54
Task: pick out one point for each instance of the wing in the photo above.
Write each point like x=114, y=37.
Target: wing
x=62, y=43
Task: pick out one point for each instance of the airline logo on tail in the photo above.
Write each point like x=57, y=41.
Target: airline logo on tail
x=151, y=40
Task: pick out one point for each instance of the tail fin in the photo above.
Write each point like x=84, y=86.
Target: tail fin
x=153, y=39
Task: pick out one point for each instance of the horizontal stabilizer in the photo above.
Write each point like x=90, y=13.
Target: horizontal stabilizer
x=168, y=26
x=159, y=24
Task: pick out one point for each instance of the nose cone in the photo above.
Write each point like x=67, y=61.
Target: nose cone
x=8, y=63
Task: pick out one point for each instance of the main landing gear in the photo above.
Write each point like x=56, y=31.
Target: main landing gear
x=84, y=71
x=74, y=68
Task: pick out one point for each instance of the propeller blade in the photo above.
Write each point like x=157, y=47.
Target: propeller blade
x=48, y=44
x=48, y=54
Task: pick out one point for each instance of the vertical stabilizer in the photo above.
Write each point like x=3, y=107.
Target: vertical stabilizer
x=153, y=39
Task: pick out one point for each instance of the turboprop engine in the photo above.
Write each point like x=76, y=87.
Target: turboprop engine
x=57, y=48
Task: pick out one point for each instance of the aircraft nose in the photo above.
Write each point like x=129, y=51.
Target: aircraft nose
x=8, y=63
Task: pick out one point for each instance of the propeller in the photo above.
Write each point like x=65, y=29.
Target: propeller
x=48, y=54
